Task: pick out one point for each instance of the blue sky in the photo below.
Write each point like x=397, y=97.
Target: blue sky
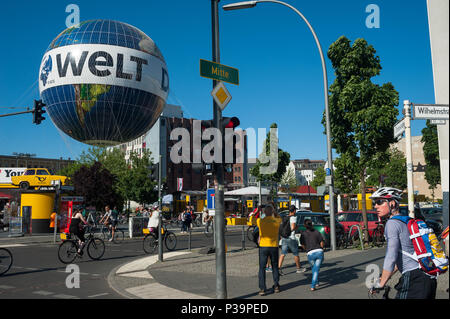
x=279, y=65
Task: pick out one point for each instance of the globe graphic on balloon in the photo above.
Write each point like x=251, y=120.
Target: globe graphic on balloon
x=103, y=82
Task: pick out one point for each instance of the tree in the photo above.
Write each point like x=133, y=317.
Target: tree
x=431, y=154
x=392, y=174
x=96, y=184
x=362, y=113
x=289, y=179
x=319, y=177
x=266, y=170
x=141, y=186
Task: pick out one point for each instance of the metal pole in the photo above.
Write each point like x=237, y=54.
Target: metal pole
x=160, y=243
x=409, y=161
x=221, y=285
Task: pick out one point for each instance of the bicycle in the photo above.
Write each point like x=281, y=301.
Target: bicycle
x=250, y=231
x=150, y=242
x=119, y=234
x=68, y=249
x=6, y=260
x=378, y=235
x=374, y=293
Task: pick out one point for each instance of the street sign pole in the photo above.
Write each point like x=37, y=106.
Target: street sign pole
x=409, y=161
x=219, y=219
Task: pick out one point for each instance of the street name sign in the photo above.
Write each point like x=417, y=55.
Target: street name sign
x=221, y=95
x=399, y=128
x=219, y=72
x=431, y=111
x=438, y=122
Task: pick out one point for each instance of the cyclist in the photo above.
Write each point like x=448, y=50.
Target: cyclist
x=414, y=283
x=153, y=221
x=77, y=229
x=110, y=219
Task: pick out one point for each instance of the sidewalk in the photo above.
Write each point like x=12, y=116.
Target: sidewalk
x=192, y=275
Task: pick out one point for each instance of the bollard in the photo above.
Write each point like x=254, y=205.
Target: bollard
x=243, y=238
x=189, y=241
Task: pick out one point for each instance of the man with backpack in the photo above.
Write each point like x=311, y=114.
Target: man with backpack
x=415, y=283
x=288, y=240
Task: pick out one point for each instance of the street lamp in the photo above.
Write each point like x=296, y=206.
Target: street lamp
x=251, y=4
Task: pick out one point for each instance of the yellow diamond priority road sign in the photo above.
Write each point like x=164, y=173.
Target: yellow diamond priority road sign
x=221, y=95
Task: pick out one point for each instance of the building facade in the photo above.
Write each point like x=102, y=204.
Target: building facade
x=421, y=186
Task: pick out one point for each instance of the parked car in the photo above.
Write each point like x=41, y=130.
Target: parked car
x=320, y=221
x=434, y=213
x=419, y=213
x=350, y=218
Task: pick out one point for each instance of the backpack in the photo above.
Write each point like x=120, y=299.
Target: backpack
x=285, y=227
x=187, y=217
x=428, y=251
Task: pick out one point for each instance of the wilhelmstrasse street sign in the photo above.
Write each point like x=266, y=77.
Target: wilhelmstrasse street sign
x=399, y=128
x=431, y=111
x=219, y=72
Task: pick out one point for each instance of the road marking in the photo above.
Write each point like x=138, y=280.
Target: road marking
x=43, y=293
x=99, y=295
x=6, y=287
x=12, y=245
x=62, y=296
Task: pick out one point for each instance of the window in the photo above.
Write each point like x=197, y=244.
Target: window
x=41, y=172
x=30, y=172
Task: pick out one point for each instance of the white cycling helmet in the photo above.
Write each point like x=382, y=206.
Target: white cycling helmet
x=387, y=193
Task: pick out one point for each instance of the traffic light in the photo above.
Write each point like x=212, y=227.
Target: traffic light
x=226, y=146
x=154, y=172
x=232, y=152
x=38, y=111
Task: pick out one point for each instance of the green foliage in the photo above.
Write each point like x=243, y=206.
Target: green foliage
x=388, y=169
x=130, y=180
x=431, y=154
x=96, y=184
x=283, y=161
x=319, y=177
x=346, y=177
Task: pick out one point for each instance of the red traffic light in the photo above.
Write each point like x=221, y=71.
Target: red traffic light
x=231, y=122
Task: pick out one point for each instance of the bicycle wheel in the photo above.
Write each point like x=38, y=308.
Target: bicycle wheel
x=250, y=231
x=6, y=260
x=67, y=252
x=150, y=243
x=170, y=241
x=96, y=248
x=118, y=236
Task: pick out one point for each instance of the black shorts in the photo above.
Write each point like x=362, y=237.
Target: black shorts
x=78, y=232
x=416, y=284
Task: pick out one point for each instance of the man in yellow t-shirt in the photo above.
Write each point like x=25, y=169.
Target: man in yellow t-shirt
x=268, y=247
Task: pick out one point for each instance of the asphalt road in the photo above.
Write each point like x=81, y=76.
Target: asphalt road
x=37, y=272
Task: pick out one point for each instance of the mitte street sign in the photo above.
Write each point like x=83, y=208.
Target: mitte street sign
x=219, y=72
